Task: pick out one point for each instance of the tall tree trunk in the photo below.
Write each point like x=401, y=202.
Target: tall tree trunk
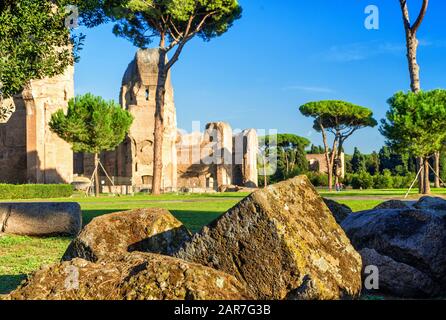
x=421, y=175
x=265, y=178
x=412, y=42
x=414, y=69
x=437, y=169
x=427, y=185
x=327, y=159
x=159, y=124
x=96, y=175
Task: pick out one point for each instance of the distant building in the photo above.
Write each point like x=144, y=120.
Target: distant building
x=30, y=152
x=317, y=163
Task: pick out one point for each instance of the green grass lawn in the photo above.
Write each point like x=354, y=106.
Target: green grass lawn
x=20, y=256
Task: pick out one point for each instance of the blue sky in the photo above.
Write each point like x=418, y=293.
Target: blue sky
x=279, y=55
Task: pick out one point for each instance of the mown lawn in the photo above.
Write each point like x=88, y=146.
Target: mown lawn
x=20, y=256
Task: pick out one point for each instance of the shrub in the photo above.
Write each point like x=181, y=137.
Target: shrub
x=384, y=180
x=362, y=180
x=35, y=191
x=318, y=179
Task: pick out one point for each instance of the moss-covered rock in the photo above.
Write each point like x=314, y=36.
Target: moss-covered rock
x=147, y=230
x=283, y=243
x=134, y=276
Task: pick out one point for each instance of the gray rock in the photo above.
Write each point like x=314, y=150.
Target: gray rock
x=414, y=237
x=431, y=203
x=40, y=218
x=396, y=278
x=339, y=211
x=393, y=204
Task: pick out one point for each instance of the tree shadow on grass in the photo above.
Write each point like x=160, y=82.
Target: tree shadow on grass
x=10, y=282
x=196, y=220
x=88, y=215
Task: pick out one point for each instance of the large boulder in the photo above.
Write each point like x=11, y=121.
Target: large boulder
x=108, y=236
x=393, y=204
x=283, y=243
x=431, y=203
x=412, y=237
x=398, y=278
x=134, y=276
x=40, y=218
x=340, y=211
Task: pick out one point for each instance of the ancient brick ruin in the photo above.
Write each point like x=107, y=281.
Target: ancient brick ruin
x=212, y=160
x=196, y=162
x=29, y=151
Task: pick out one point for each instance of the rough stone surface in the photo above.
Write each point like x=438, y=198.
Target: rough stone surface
x=40, y=219
x=245, y=146
x=413, y=237
x=111, y=235
x=398, y=278
x=431, y=203
x=393, y=204
x=135, y=276
x=339, y=211
x=282, y=242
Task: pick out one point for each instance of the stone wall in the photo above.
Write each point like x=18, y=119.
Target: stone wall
x=13, y=146
x=318, y=163
x=245, y=149
x=217, y=158
x=29, y=151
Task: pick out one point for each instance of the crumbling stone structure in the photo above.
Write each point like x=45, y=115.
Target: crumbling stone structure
x=191, y=162
x=318, y=163
x=217, y=159
x=213, y=160
x=29, y=151
x=132, y=162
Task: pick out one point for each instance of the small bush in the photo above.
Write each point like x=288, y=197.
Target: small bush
x=35, y=191
x=318, y=179
x=384, y=180
x=362, y=180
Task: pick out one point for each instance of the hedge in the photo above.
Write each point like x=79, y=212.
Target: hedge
x=35, y=191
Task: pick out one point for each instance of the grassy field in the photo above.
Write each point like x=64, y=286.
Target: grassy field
x=20, y=256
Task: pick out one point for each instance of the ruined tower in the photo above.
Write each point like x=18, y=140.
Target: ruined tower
x=132, y=162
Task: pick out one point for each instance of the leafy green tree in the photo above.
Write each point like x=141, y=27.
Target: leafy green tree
x=316, y=149
x=174, y=23
x=372, y=163
x=291, y=159
x=415, y=124
x=358, y=161
x=341, y=119
x=92, y=125
x=34, y=43
x=412, y=43
x=397, y=162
